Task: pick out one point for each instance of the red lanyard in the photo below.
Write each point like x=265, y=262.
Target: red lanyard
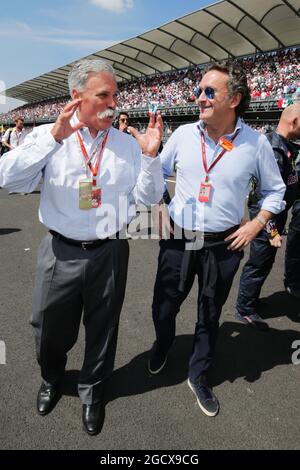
x=207, y=170
x=94, y=170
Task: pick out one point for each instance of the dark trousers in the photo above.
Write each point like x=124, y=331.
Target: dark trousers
x=70, y=283
x=168, y=299
x=292, y=254
x=257, y=268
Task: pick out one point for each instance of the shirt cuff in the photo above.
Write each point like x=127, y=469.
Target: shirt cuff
x=274, y=208
x=150, y=164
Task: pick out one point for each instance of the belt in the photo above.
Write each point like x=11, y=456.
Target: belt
x=220, y=235
x=85, y=245
x=215, y=236
x=197, y=235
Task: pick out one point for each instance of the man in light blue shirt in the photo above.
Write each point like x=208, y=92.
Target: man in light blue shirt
x=93, y=175
x=214, y=159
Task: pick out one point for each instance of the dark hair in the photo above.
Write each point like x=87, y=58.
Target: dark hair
x=117, y=122
x=123, y=114
x=237, y=83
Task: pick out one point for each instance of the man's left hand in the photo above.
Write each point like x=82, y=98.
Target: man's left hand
x=244, y=235
x=150, y=141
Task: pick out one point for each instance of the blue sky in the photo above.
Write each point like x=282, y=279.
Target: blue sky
x=40, y=35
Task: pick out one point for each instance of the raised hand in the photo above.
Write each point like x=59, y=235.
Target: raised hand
x=150, y=141
x=62, y=128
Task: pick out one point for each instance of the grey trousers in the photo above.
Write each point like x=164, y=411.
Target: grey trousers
x=72, y=283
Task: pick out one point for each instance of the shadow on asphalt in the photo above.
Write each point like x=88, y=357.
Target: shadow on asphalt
x=279, y=304
x=7, y=231
x=134, y=379
x=242, y=352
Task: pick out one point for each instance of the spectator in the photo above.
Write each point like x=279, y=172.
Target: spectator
x=14, y=137
x=264, y=247
x=123, y=122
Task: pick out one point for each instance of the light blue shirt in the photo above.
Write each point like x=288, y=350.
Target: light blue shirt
x=252, y=155
x=126, y=177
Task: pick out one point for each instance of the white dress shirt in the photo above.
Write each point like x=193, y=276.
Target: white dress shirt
x=252, y=155
x=126, y=177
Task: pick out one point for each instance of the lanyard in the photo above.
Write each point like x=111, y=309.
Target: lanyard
x=207, y=170
x=18, y=136
x=94, y=170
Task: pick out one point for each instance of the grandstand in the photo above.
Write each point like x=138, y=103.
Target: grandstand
x=164, y=65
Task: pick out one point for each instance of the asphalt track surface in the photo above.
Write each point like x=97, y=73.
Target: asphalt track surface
x=254, y=378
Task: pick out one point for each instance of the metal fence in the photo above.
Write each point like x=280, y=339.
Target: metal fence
x=167, y=111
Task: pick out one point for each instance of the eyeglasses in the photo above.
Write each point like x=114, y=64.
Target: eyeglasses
x=124, y=120
x=209, y=92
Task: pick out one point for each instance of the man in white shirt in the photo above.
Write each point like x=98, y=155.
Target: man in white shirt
x=93, y=175
x=14, y=138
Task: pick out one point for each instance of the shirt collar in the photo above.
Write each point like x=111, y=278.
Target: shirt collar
x=239, y=124
x=15, y=130
x=85, y=133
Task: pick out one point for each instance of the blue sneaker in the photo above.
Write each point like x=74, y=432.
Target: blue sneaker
x=206, y=399
x=157, y=360
x=253, y=320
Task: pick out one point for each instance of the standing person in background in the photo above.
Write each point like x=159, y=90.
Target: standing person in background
x=215, y=159
x=93, y=175
x=123, y=122
x=292, y=252
x=14, y=137
x=264, y=247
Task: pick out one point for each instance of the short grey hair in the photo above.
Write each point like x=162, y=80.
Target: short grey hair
x=81, y=70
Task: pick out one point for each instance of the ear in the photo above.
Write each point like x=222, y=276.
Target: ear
x=235, y=100
x=295, y=123
x=75, y=94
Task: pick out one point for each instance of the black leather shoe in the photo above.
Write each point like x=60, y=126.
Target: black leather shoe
x=93, y=418
x=47, y=398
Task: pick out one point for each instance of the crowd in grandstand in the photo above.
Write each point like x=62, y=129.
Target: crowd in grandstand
x=273, y=75
x=48, y=109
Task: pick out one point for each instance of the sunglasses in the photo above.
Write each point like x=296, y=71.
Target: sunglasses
x=209, y=92
x=124, y=120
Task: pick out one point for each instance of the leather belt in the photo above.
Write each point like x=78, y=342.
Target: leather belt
x=85, y=245
x=190, y=235
x=220, y=235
